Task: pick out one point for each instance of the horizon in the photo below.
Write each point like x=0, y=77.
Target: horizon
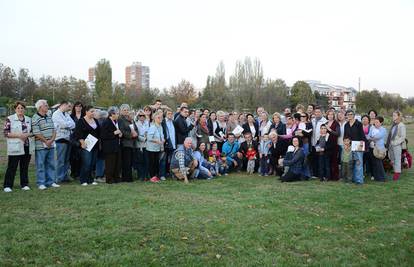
x=335, y=43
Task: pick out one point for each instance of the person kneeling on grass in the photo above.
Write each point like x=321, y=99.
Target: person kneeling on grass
x=294, y=163
x=183, y=163
x=230, y=149
x=204, y=170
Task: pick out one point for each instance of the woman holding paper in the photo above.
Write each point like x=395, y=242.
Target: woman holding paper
x=111, y=146
x=220, y=132
x=86, y=131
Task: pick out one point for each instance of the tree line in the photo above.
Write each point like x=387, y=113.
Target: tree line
x=244, y=90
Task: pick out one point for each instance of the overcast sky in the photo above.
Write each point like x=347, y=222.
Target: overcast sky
x=332, y=41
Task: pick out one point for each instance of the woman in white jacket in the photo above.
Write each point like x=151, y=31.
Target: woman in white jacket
x=20, y=146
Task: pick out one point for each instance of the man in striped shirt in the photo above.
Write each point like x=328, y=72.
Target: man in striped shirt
x=44, y=131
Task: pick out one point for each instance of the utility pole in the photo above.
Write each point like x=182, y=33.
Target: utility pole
x=359, y=84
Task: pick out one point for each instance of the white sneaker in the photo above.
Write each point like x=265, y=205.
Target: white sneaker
x=42, y=187
x=26, y=188
x=84, y=184
x=7, y=189
x=55, y=185
x=94, y=183
x=162, y=178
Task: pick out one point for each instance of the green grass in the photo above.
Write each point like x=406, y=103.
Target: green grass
x=237, y=220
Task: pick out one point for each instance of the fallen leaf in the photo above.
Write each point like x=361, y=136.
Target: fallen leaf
x=184, y=238
x=218, y=256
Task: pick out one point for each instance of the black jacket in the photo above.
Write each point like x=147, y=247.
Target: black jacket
x=356, y=132
x=110, y=141
x=278, y=150
x=246, y=129
x=243, y=148
x=181, y=129
x=280, y=128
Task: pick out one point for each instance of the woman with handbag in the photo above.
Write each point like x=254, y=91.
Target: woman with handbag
x=20, y=146
x=376, y=138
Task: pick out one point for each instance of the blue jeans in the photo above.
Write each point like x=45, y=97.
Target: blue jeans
x=100, y=168
x=62, y=164
x=88, y=165
x=358, y=163
x=45, y=166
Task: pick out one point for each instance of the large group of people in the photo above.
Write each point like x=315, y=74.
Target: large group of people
x=157, y=143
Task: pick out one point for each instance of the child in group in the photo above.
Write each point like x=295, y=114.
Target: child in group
x=322, y=151
x=251, y=160
x=346, y=161
x=223, y=167
x=214, y=157
x=264, y=148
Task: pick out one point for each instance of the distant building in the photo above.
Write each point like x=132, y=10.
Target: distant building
x=91, y=74
x=339, y=97
x=137, y=77
x=91, y=79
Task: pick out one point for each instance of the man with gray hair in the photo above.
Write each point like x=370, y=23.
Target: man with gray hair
x=183, y=163
x=45, y=134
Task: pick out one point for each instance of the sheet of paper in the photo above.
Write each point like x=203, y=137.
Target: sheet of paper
x=90, y=142
x=211, y=139
x=238, y=130
x=355, y=146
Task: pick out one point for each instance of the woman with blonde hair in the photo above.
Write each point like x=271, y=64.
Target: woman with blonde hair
x=155, y=144
x=277, y=124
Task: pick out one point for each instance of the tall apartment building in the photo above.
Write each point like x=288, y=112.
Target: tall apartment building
x=137, y=77
x=91, y=79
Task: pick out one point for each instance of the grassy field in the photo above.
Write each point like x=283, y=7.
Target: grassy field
x=237, y=220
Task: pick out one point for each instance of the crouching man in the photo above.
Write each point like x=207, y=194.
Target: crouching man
x=183, y=164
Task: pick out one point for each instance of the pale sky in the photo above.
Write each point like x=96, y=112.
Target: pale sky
x=332, y=41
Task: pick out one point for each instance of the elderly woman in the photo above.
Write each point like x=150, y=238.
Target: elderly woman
x=277, y=124
x=128, y=141
x=111, y=146
x=396, y=143
x=265, y=124
x=376, y=137
x=86, y=126
x=20, y=147
x=141, y=153
x=155, y=144
x=221, y=130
